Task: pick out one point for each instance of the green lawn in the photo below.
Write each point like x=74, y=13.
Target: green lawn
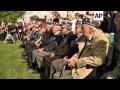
x=11, y=64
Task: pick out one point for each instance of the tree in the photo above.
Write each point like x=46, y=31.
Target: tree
x=36, y=18
x=12, y=16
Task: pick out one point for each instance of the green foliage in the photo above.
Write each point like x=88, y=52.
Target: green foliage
x=36, y=18
x=12, y=16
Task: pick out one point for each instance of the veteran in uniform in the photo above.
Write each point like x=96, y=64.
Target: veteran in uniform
x=92, y=52
x=58, y=64
x=53, y=43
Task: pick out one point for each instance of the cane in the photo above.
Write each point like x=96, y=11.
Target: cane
x=64, y=67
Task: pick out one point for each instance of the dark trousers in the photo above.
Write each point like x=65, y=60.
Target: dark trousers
x=3, y=35
x=19, y=35
x=14, y=36
x=0, y=35
x=29, y=48
x=29, y=56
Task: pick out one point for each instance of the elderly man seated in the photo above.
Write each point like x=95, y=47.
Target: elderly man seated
x=58, y=64
x=63, y=48
x=92, y=52
x=53, y=43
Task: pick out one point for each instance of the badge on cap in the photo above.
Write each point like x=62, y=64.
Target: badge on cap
x=90, y=22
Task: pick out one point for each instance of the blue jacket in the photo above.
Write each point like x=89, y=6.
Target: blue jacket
x=54, y=42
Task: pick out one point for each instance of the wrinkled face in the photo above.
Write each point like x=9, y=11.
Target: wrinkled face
x=86, y=30
x=78, y=30
x=64, y=30
x=117, y=21
x=48, y=27
x=55, y=29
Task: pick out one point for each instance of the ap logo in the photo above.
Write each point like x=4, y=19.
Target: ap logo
x=98, y=15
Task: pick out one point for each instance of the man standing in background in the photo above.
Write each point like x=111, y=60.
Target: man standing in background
x=71, y=17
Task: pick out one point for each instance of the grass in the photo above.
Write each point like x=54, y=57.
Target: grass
x=11, y=64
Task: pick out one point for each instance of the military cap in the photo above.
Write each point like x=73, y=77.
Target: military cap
x=66, y=23
x=90, y=22
x=56, y=24
x=49, y=23
x=78, y=23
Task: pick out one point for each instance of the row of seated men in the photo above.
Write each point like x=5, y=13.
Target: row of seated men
x=82, y=53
